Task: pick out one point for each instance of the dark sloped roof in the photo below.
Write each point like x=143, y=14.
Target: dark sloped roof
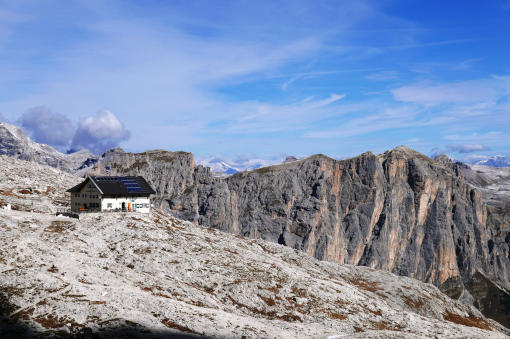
x=129, y=185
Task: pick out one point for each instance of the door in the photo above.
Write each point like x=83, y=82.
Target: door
x=123, y=206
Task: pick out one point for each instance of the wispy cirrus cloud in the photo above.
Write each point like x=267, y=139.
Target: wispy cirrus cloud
x=466, y=64
x=471, y=91
x=491, y=137
x=260, y=118
x=388, y=118
x=383, y=76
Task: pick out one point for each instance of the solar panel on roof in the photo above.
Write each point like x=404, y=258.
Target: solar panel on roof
x=130, y=184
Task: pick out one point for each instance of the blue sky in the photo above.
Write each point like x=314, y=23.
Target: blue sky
x=260, y=78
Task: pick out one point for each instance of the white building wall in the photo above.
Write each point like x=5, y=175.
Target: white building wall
x=135, y=204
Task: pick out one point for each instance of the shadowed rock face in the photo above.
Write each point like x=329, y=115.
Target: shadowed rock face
x=399, y=211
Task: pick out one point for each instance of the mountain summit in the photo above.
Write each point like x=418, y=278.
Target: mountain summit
x=15, y=143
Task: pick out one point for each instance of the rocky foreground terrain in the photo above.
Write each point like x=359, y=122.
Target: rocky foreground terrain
x=155, y=274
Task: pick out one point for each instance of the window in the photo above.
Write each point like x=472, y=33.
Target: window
x=109, y=205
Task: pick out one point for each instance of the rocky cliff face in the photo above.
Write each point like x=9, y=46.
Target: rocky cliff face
x=399, y=211
x=15, y=143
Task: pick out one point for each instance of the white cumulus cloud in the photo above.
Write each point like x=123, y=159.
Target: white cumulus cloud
x=100, y=132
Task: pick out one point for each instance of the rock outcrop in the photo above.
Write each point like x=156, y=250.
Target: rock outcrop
x=399, y=211
x=15, y=143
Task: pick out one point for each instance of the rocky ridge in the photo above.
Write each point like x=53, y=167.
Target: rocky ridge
x=495, y=161
x=493, y=182
x=399, y=211
x=158, y=275
x=15, y=143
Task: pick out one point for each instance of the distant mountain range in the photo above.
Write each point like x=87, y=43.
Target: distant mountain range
x=223, y=167
x=15, y=143
x=495, y=161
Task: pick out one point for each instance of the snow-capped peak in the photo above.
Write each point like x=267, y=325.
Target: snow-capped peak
x=495, y=161
x=229, y=166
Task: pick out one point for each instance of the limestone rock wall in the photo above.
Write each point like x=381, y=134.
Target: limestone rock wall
x=399, y=211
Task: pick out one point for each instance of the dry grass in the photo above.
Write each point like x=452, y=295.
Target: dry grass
x=230, y=251
x=59, y=226
x=91, y=302
x=74, y=295
x=83, y=281
x=157, y=292
x=26, y=314
x=171, y=324
x=267, y=300
x=50, y=190
x=6, y=193
x=415, y=304
x=54, y=322
x=267, y=250
x=269, y=315
x=375, y=312
x=470, y=321
x=342, y=302
x=143, y=251
x=53, y=269
x=333, y=280
x=371, y=286
x=300, y=292
x=337, y=316
x=275, y=290
x=385, y=325
x=334, y=315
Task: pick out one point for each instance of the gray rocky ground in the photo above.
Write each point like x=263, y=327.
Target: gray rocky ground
x=158, y=274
